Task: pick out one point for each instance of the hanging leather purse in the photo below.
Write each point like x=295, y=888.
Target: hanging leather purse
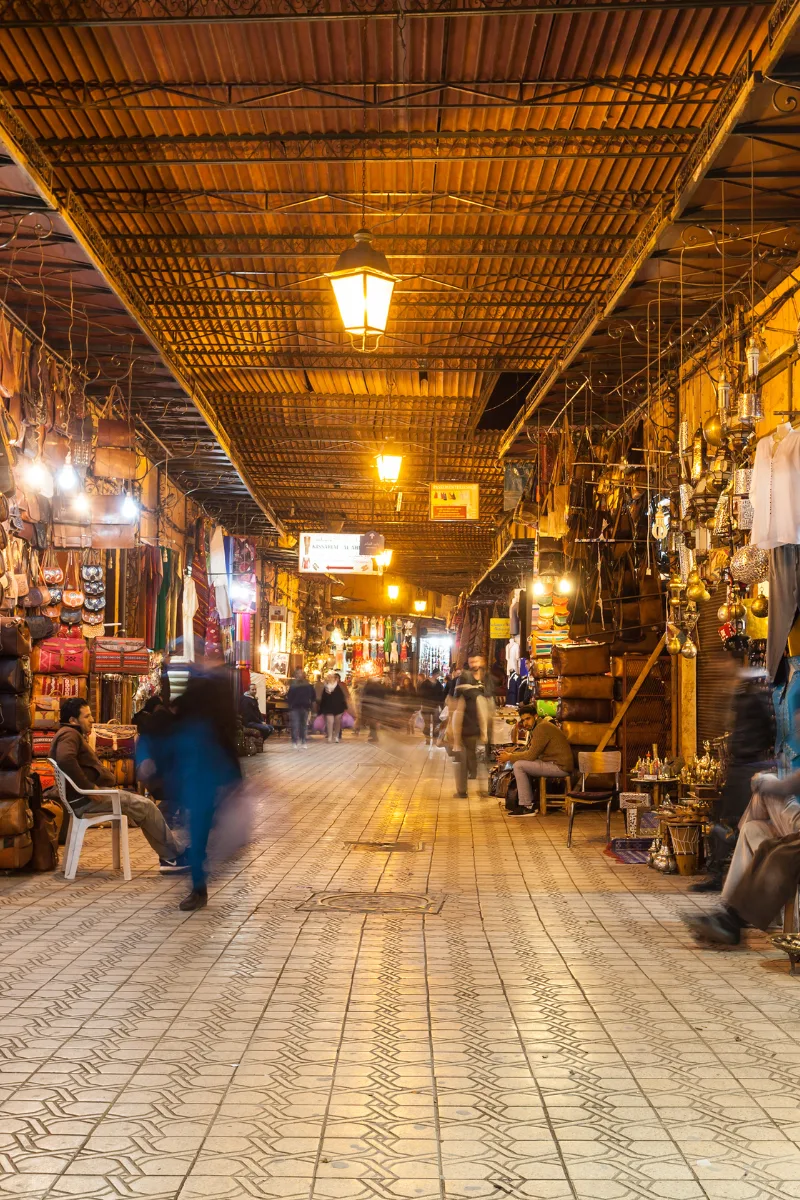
x=53, y=612
x=56, y=595
x=52, y=572
x=71, y=616
x=91, y=573
x=41, y=627
x=93, y=618
x=94, y=588
x=92, y=631
x=94, y=603
x=38, y=592
x=111, y=463
x=7, y=482
x=72, y=596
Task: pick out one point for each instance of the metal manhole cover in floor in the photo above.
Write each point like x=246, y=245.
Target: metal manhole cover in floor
x=373, y=902
x=386, y=847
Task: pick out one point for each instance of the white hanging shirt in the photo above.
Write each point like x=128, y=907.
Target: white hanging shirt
x=775, y=492
x=512, y=657
x=189, y=609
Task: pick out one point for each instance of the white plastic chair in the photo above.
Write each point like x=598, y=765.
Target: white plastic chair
x=79, y=825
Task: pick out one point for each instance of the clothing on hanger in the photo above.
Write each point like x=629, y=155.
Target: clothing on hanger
x=512, y=655
x=775, y=490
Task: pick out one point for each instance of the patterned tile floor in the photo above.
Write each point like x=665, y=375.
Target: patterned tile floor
x=550, y=1032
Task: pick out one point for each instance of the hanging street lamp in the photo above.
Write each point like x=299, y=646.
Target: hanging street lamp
x=389, y=463
x=363, y=283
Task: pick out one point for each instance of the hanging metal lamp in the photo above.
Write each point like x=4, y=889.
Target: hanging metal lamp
x=363, y=283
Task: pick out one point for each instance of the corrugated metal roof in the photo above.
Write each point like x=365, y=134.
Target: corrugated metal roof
x=508, y=160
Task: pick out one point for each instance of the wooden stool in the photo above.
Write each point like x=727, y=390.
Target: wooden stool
x=559, y=797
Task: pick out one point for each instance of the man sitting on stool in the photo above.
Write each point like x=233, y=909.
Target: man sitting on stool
x=548, y=754
x=251, y=714
x=78, y=761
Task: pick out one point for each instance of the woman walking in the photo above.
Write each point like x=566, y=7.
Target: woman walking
x=300, y=700
x=332, y=704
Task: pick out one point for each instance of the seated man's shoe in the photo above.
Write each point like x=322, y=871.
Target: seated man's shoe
x=712, y=883
x=174, y=866
x=518, y=811
x=197, y=898
x=722, y=927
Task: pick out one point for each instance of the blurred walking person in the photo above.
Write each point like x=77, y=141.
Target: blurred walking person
x=300, y=700
x=332, y=704
x=468, y=730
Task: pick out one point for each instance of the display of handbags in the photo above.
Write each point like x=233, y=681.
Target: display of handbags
x=14, y=784
x=112, y=463
x=15, y=637
x=15, y=751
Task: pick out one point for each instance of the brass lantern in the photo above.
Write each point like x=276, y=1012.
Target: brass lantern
x=363, y=283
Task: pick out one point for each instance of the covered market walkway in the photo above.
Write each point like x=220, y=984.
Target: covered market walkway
x=546, y=1029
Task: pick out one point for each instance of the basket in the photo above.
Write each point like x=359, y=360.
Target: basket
x=685, y=846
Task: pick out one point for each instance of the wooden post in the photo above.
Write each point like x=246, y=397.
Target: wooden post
x=632, y=694
x=687, y=706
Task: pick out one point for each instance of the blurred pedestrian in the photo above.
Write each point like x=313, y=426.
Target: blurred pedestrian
x=300, y=700
x=332, y=704
x=373, y=695
x=466, y=721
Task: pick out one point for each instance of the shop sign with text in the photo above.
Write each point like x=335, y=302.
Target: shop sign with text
x=454, y=501
x=334, y=553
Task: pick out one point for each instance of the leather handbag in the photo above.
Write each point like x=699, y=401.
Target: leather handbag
x=115, y=433
x=55, y=449
x=71, y=616
x=45, y=711
x=120, y=656
x=585, y=733
x=92, y=631
x=61, y=656
x=93, y=618
x=94, y=604
x=15, y=714
x=72, y=595
x=113, y=537
x=583, y=659
x=91, y=573
x=587, y=687
x=52, y=572
x=15, y=637
x=15, y=852
x=60, y=685
x=15, y=751
x=585, y=710
x=70, y=632
x=8, y=484
x=69, y=535
x=52, y=613
x=114, y=741
x=15, y=676
x=13, y=784
x=40, y=627
x=56, y=595
x=93, y=587
x=111, y=463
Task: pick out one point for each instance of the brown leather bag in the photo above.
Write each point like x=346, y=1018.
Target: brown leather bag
x=585, y=733
x=583, y=659
x=587, y=687
x=119, y=435
x=15, y=852
x=15, y=817
x=47, y=821
x=113, y=537
x=585, y=710
x=111, y=463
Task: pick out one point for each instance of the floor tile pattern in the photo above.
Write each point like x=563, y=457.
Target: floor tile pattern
x=542, y=1028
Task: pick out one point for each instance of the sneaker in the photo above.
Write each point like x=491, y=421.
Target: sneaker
x=197, y=898
x=174, y=866
x=518, y=811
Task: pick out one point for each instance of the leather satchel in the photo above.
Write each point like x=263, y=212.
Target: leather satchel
x=61, y=656
x=15, y=852
x=585, y=733
x=46, y=712
x=15, y=676
x=15, y=714
x=585, y=710
x=111, y=463
x=120, y=656
x=15, y=751
x=15, y=816
x=583, y=659
x=115, y=433
x=587, y=687
x=12, y=785
x=15, y=637
x=113, y=537
x=41, y=627
x=71, y=536
x=60, y=685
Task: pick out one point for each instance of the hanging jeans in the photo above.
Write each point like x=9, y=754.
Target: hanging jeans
x=784, y=600
x=298, y=719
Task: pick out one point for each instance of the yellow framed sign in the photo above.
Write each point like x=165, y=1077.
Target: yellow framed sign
x=454, y=501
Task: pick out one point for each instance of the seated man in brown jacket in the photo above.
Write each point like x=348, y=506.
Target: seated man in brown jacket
x=78, y=761
x=548, y=753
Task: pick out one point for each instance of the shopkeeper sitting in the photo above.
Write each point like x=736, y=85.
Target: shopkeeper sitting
x=251, y=714
x=73, y=754
x=547, y=754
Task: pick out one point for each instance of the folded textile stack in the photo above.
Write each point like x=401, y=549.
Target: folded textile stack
x=61, y=669
x=115, y=746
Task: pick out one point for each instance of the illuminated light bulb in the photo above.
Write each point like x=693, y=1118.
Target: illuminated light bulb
x=129, y=509
x=67, y=478
x=538, y=587
x=393, y=591
x=565, y=586
x=420, y=605
x=384, y=559
x=363, y=283
x=82, y=503
x=389, y=466
x=38, y=478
